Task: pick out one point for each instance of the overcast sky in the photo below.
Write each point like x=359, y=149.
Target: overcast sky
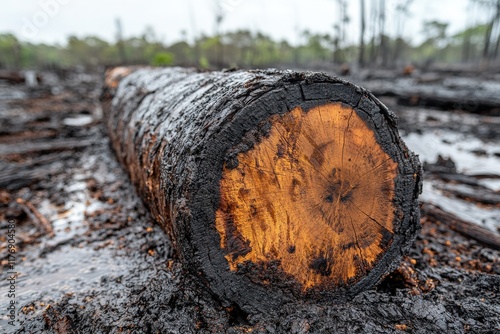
x=54, y=20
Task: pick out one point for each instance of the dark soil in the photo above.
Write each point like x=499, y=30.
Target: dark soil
x=109, y=268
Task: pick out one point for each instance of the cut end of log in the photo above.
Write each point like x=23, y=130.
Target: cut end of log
x=315, y=196
x=115, y=75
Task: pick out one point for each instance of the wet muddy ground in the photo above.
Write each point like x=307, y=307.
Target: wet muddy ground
x=89, y=258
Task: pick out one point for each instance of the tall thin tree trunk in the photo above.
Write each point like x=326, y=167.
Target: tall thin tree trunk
x=373, y=45
x=497, y=22
x=16, y=51
x=383, y=42
x=119, y=42
x=192, y=21
x=487, y=39
x=341, y=32
x=402, y=13
x=486, y=48
x=362, y=36
x=466, y=49
x=219, y=17
x=496, y=54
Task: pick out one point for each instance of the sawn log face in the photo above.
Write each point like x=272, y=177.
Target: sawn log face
x=272, y=185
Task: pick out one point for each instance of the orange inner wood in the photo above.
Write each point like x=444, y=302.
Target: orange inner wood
x=316, y=195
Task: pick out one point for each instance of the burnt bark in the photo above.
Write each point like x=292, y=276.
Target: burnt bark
x=175, y=130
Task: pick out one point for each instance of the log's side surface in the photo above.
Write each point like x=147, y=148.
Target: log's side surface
x=273, y=185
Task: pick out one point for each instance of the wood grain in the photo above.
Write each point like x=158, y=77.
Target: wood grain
x=316, y=195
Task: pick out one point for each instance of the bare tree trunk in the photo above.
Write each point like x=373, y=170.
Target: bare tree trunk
x=192, y=21
x=497, y=23
x=373, y=45
x=362, y=35
x=219, y=17
x=487, y=40
x=496, y=54
x=466, y=49
x=119, y=42
x=487, y=54
x=16, y=50
x=383, y=40
x=402, y=12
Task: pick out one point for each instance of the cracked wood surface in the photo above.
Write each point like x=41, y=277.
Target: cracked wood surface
x=316, y=194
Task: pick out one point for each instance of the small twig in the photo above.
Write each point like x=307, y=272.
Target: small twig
x=37, y=216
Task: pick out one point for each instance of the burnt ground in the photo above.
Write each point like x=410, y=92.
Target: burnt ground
x=89, y=258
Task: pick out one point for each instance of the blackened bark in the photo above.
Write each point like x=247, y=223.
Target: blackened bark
x=174, y=130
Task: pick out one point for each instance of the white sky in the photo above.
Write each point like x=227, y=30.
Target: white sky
x=54, y=20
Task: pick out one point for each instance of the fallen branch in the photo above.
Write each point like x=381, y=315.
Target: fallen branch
x=44, y=146
x=37, y=217
x=478, y=194
x=12, y=77
x=466, y=228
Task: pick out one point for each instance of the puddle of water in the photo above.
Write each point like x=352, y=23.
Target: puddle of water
x=10, y=92
x=458, y=147
x=78, y=121
x=69, y=220
x=71, y=270
x=426, y=117
x=488, y=218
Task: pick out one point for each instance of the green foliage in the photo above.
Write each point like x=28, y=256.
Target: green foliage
x=242, y=49
x=476, y=32
x=10, y=50
x=435, y=31
x=163, y=59
x=204, y=63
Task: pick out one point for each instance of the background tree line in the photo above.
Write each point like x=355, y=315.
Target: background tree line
x=478, y=44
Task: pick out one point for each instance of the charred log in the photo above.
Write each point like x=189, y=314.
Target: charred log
x=12, y=77
x=272, y=185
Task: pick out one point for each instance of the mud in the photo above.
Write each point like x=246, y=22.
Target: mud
x=110, y=268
